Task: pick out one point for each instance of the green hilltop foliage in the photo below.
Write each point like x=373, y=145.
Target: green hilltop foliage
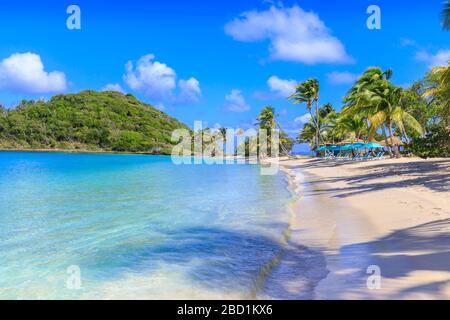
x=89, y=120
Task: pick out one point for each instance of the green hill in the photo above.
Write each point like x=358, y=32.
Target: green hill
x=89, y=120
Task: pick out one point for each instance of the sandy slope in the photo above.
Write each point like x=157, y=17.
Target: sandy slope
x=394, y=214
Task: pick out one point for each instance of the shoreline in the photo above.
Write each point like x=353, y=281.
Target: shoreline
x=389, y=213
x=82, y=151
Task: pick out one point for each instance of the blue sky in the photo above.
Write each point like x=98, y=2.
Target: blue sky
x=214, y=64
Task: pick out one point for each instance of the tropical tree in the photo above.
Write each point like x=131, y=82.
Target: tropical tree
x=267, y=121
x=266, y=118
x=422, y=109
x=376, y=99
x=308, y=92
x=325, y=110
x=438, y=90
x=348, y=125
x=223, y=133
x=308, y=133
x=220, y=137
x=327, y=121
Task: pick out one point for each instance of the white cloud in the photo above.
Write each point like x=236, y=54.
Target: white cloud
x=303, y=119
x=153, y=78
x=344, y=77
x=189, y=90
x=294, y=34
x=235, y=102
x=158, y=81
x=283, y=88
x=407, y=42
x=279, y=88
x=24, y=73
x=440, y=58
x=113, y=87
x=294, y=127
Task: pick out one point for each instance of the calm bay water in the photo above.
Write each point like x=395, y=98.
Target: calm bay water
x=136, y=226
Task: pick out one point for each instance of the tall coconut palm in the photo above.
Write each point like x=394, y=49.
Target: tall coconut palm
x=439, y=90
x=371, y=78
x=355, y=103
x=385, y=106
x=350, y=125
x=326, y=129
x=308, y=133
x=308, y=92
x=379, y=101
x=267, y=120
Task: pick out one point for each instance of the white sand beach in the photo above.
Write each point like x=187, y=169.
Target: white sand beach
x=392, y=213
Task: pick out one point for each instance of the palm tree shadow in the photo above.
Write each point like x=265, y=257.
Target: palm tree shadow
x=425, y=247
x=433, y=175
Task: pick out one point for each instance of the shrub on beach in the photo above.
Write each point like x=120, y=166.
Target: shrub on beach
x=435, y=144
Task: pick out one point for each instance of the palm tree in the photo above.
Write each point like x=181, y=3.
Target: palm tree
x=267, y=120
x=373, y=97
x=308, y=92
x=446, y=16
x=348, y=125
x=325, y=110
x=439, y=90
x=308, y=133
x=354, y=100
x=222, y=137
x=390, y=112
x=327, y=121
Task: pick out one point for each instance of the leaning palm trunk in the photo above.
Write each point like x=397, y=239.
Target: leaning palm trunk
x=282, y=146
x=318, y=122
x=386, y=140
x=315, y=122
x=318, y=135
x=394, y=148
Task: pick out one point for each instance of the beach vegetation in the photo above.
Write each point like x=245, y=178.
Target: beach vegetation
x=89, y=120
x=374, y=109
x=308, y=92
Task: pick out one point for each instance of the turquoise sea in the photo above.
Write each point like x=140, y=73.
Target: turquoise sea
x=137, y=227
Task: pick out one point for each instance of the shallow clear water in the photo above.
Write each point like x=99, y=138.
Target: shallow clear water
x=136, y=226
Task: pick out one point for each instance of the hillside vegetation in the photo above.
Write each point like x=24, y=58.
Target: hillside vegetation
x=89, y=120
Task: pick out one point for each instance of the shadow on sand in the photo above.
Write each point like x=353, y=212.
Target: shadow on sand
x=425, y=247
x=416, y=173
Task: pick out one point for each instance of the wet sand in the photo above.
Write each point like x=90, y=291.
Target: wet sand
x=391, y=214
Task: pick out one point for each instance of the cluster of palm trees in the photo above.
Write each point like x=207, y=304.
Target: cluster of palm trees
x=374, y=108
x=376, y=100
